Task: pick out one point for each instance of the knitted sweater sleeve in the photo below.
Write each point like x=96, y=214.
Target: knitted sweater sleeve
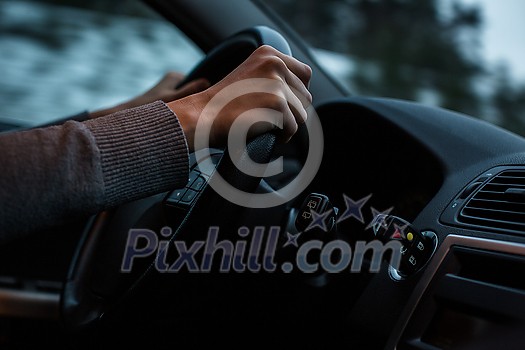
x=52, y=174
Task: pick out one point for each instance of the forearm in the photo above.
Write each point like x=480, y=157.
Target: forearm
x=51, y=174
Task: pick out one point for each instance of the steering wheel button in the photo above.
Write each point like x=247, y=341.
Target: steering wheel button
x=198, y=184
x=188, y=197
x=194, y=174
x=176, y=195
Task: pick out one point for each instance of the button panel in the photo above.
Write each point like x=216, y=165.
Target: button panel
x=198, y=178
x=417, y=247
x=184, y=197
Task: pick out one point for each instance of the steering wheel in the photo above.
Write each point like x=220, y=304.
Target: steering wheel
x=95, y=281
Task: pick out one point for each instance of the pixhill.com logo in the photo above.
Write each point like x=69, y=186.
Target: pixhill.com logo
x=255, y=250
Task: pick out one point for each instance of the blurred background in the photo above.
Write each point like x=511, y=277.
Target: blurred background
x=464, y=55
x=59, y=57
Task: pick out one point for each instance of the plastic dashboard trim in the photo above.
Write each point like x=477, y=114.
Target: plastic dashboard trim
x=450, y=241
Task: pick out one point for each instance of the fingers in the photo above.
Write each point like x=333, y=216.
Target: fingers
x=290, y=124
x=170, y=80
x=295, y=77
x=298, y=88
x=263, y=120
x=300, y=69
x=284, y=89
x=298, y=97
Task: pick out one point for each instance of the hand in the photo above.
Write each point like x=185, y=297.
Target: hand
x=164, y=90
x=285, y=81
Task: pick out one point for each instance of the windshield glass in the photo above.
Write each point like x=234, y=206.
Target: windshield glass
x=464, y=55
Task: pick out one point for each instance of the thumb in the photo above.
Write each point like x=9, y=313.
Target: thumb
x=191, y=88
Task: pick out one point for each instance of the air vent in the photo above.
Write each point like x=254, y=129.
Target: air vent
x=499, y=203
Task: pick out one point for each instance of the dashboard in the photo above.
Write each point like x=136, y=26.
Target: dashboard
x=451, y=174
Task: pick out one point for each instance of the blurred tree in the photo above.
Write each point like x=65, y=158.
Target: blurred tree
x=412, y=49
x=123, y=7
x=401, y=48
x=509, y=102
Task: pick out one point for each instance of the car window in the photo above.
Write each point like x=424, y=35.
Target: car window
x=61, y=57
x=464, y=55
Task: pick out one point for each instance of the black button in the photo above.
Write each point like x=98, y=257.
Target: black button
x=313, y=202
x=420, y=246
x=198, y=184
x=409, y=264
x=422, y=249
x=194, y=174
x=404, y=249
x=176, y=195
x=188, y=197
x=412, y=260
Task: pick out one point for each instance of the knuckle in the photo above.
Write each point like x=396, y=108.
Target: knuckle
x=279, y=85
x=273, y=64
x=265, y=50
x=276, y=102
x=307, y=70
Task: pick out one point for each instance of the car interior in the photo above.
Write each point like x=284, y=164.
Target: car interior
x=456, y=180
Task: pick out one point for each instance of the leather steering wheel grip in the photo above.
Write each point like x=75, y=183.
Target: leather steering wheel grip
x=229, y=54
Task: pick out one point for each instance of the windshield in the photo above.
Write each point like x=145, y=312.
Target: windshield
x=464, y=55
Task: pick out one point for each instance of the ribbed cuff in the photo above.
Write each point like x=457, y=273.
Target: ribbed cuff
x=143, y=152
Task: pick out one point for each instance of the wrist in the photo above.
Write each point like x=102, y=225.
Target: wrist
x=188, y=114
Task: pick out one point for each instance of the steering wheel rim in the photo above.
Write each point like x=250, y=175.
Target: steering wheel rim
x=85, y=299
